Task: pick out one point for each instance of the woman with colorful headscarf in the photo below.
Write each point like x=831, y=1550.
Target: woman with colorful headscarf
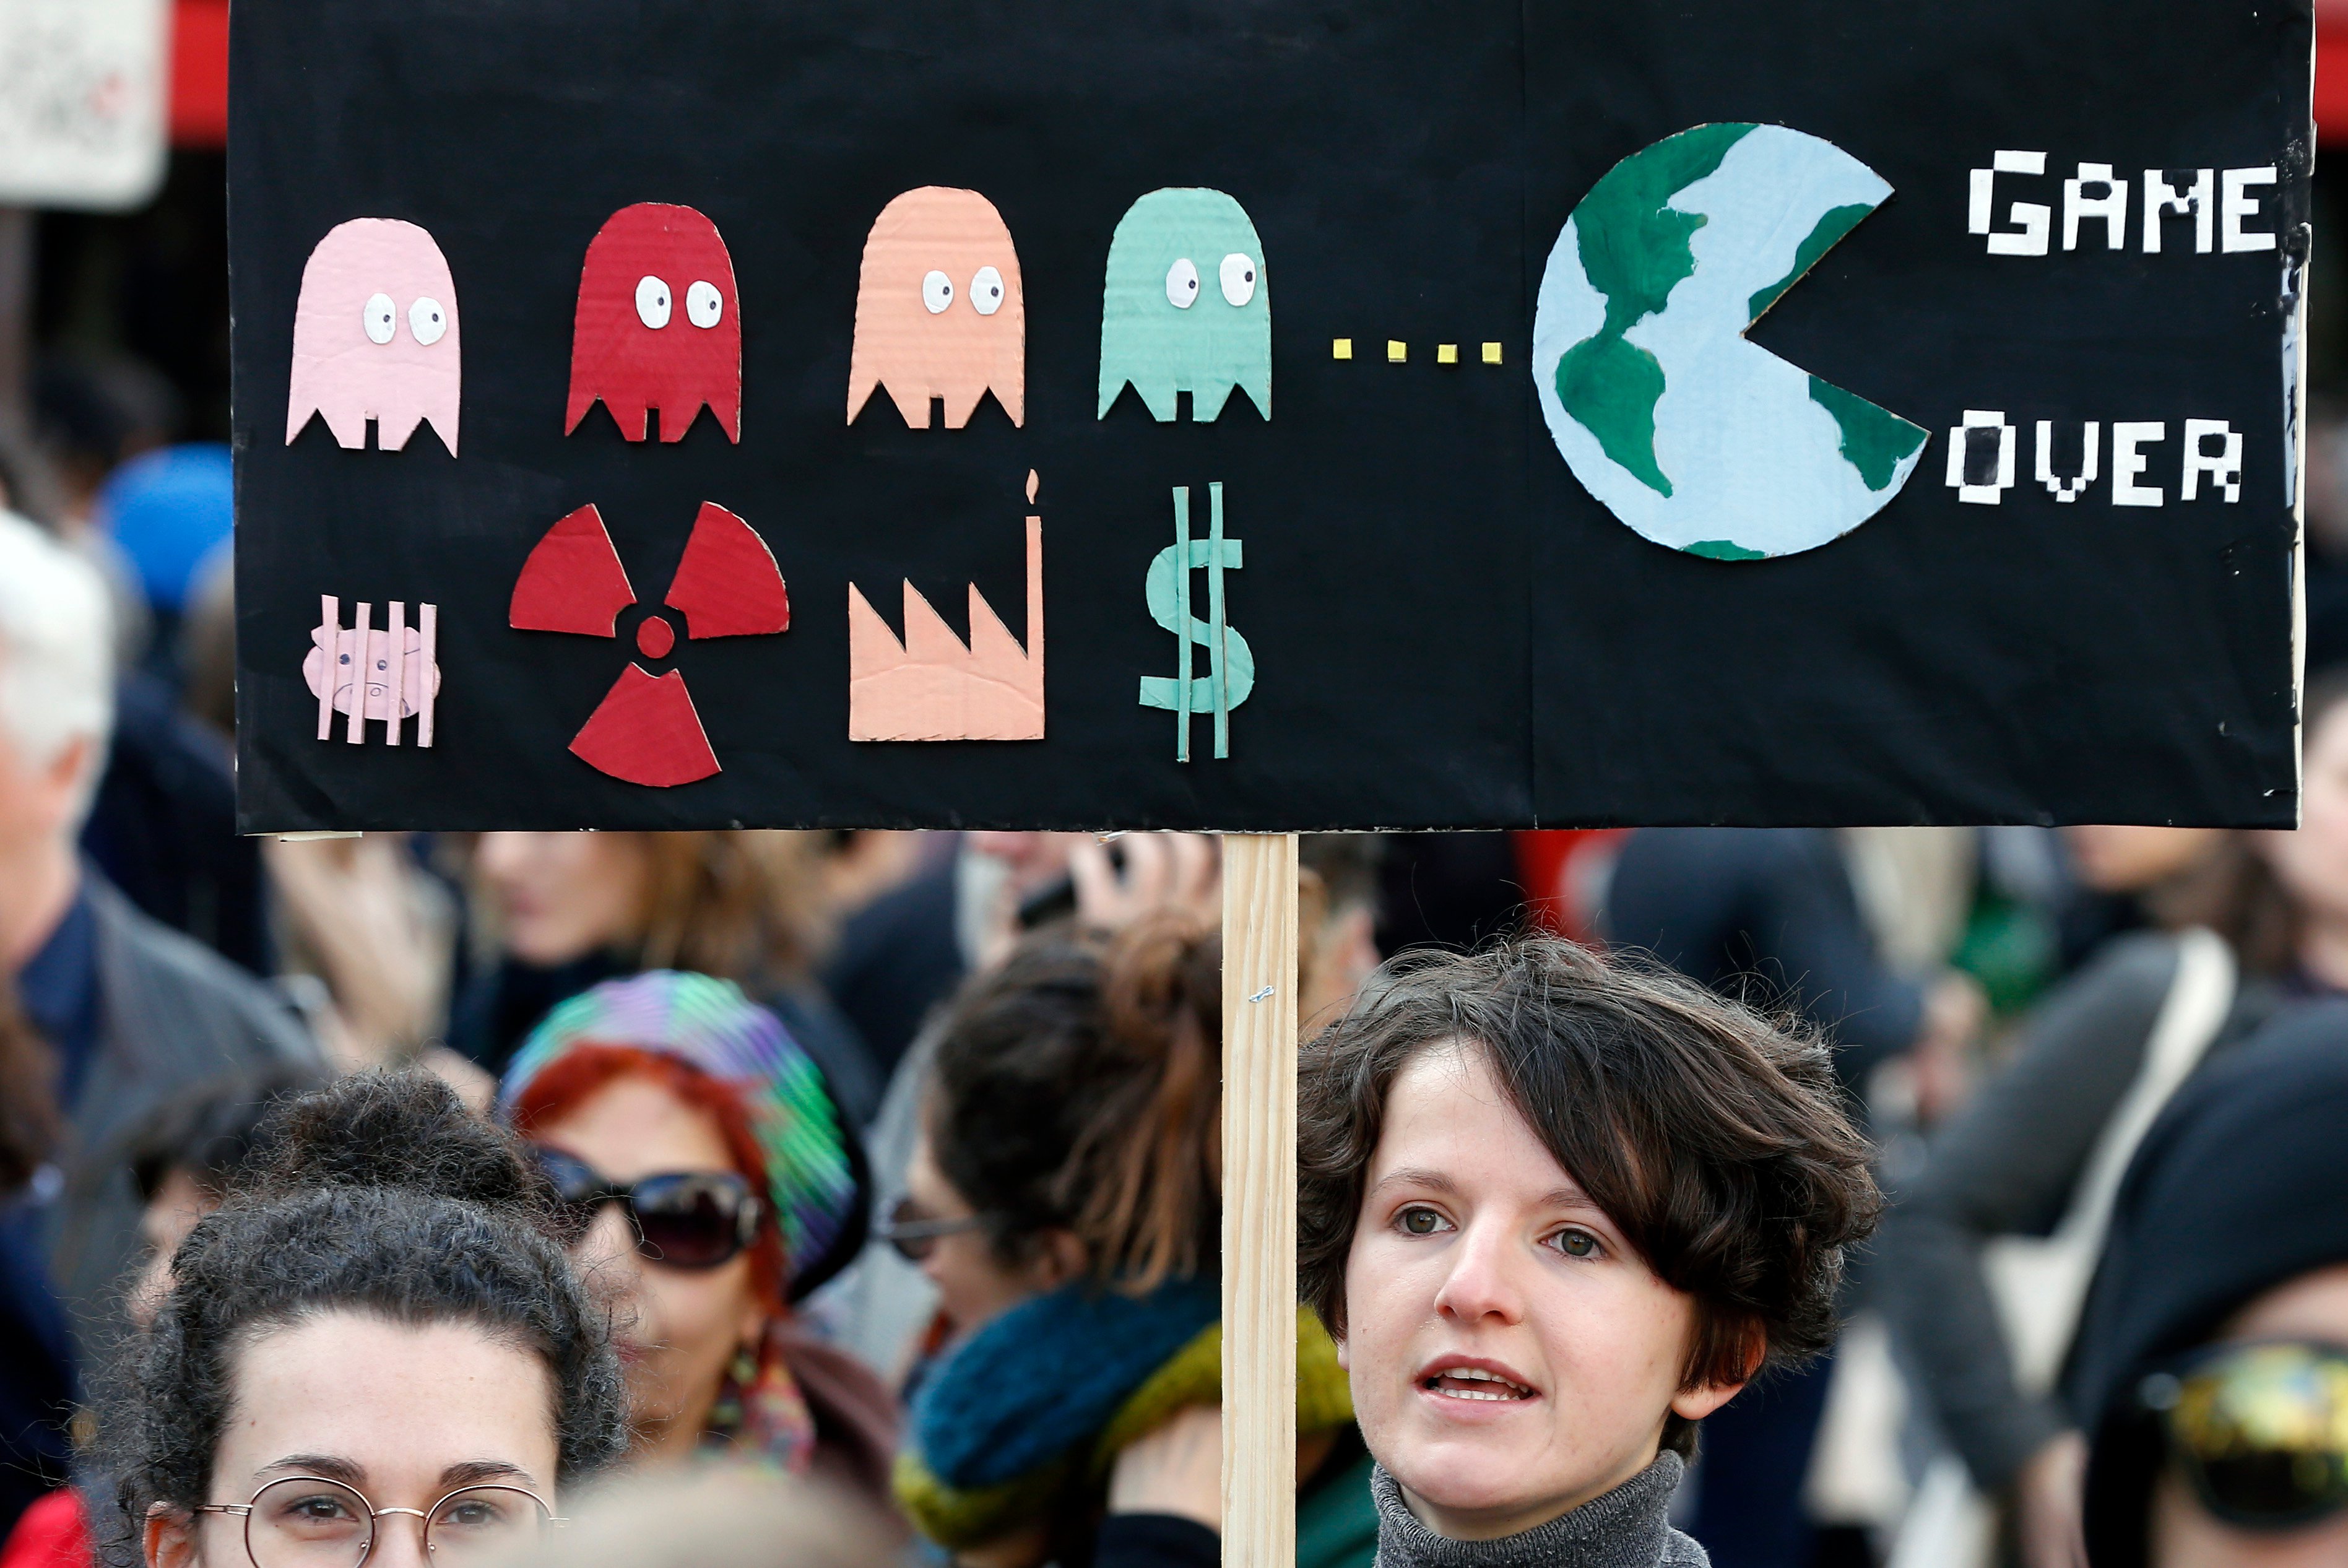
x=708, y=1176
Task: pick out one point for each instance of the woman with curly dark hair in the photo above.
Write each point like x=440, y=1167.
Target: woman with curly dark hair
x=1555, y=1210
x=375, y=1351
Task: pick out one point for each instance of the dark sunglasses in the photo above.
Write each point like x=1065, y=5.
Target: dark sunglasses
x=914, y=1236
x=684, y=1219
x=2260, y=1430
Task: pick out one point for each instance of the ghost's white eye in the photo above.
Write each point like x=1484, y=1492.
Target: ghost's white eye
x=653, y=305
x=704, y=304
x=986, y=291
x=427, y=320
x=1239, y=278
x=1181, y=284
x=937, y=290
x=381, y=316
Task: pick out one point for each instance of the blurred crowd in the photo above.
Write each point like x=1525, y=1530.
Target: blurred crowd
x=849, y=1129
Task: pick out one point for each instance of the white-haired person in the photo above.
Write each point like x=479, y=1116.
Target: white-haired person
x=135, y=1014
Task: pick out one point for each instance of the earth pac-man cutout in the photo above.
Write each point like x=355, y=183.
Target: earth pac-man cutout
x=1687, y=432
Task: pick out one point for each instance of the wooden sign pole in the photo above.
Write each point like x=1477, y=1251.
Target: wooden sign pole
x=1260, y=1005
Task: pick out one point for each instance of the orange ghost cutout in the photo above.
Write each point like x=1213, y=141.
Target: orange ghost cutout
x=939, y=310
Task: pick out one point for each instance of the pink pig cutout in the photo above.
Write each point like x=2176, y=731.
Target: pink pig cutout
x=376, y=336
x=369, y=684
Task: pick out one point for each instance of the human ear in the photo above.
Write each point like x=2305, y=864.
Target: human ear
x=1694, y=1404
x=70, y=768
x=170, y=1538
x=1701, y=1399
x=1061, y=1259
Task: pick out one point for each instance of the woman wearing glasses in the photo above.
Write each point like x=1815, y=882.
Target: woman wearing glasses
x=1065, y=1197
x=372, y=1353
x=707, y=1176
x=2211, y=1372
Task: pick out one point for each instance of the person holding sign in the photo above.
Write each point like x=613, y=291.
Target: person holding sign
x=1557, y=1210
x=1065, y=1199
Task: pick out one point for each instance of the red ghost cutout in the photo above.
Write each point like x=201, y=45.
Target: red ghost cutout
x=659, y=326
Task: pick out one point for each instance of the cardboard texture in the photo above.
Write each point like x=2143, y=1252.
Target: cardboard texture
x=659, y=325
x=934, y=686
x=376, y=336
x=1185, y=306
x=572, y=581
x=1694, y=436
x=939, y=310
x=1230, y=680
x=645, y=731
x=728, y=585
x=1458, y=607
x=365, y=682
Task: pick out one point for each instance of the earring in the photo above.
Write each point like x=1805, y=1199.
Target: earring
x=726, y=1415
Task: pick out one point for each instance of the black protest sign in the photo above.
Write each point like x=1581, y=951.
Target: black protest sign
x=1257, y=416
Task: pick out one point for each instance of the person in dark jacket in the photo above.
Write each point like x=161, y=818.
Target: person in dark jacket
x=2264, y=915
x=1770, y=916
x=36, y=1372
x=137, y=1014
x=2212, y=1368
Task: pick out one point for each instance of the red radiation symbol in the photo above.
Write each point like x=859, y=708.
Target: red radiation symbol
x=645, y=730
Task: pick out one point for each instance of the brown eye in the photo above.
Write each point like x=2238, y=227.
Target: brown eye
x=1420, y=1221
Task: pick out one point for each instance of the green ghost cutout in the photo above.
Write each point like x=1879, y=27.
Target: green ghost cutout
x=1185, y=307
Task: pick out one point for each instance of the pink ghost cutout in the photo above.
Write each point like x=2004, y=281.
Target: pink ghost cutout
x=921, y=340
x=376, y=336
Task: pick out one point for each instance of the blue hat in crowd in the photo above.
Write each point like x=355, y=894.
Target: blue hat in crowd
x=168, y=510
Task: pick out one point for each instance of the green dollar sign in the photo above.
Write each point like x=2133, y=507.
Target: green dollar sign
x=1230, y=664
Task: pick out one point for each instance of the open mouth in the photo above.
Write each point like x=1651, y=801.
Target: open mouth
x=1474, y=1383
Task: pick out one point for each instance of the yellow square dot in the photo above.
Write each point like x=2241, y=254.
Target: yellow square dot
x=1341, y=348
x=1397, y=351
x=1447, y=354
x=1491, y=354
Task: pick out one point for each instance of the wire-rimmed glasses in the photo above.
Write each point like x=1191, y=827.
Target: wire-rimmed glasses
x=309, y=1522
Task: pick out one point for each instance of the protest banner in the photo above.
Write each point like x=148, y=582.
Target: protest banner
x=1260, y=417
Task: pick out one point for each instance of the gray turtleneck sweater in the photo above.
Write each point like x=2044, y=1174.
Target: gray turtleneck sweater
x=1625, y=1528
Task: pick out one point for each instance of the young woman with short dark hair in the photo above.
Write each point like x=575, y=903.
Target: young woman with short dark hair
x=1556, y=1209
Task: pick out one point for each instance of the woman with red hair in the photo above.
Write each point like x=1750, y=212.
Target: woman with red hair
x=709, y=1179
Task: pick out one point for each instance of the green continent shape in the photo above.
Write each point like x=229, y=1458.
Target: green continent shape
x=1634, y=251
x=1724, y=549
x=1634, y=248
x=1874, y=441
x=1831, y=227
x=1612, y=387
